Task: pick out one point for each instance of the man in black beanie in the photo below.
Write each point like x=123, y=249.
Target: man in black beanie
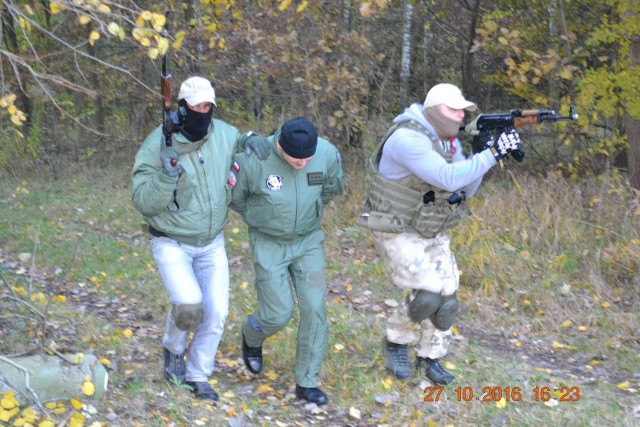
x=281, y=199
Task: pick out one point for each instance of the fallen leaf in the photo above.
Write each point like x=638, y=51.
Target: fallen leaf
x=354, y=413
x=88, y=388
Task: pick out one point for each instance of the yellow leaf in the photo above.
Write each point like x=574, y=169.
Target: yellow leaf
x=623, y=385
x=503, y=41
x=387, y=383
x=114, y=28
x=105, y=361
x=153, y=53
x=84, y=19
x=55, y=8
x=284, y=4
x=264, y=389
x=88, y=388
x=59, y=298
x=455, y=331
x=491, y=26
x=565, y=324
x=127, y=333
x=501, y=404
x=449, y=365
x=47, y=423
x=163, y=46
x=301, y=6
x=137, y=33
x=606, y=304
x=29, y=415
x=76, y=403
x=272, y=375
x=229, y=395
x=78, y=358
x=104, y=8
x=431, y=423
x=77, y=420
x=94, y=35
x=50, y=405
x=9, y=401
x=158, y=21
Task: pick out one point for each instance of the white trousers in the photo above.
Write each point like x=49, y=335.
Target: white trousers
x=193, y=275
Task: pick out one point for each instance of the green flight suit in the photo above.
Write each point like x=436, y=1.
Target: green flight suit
x=283, y=208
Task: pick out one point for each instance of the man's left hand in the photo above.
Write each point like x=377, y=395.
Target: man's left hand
x=259, y=144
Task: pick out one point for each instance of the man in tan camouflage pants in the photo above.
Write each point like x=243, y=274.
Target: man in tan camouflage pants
x=416, y=191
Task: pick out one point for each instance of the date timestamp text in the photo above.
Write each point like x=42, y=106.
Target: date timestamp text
x=510, y=394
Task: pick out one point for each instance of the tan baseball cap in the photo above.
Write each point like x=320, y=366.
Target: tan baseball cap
x=449, y=95
x=196, y=90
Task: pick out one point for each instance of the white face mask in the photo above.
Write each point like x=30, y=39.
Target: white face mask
x=445, y=127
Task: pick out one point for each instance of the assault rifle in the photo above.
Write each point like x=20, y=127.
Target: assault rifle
x=165, y=90
x=487, y=126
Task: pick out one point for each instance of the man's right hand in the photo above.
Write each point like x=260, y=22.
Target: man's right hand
x=170, y=165
x=507, y=142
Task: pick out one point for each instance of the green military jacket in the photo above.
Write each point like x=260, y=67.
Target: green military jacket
x=279, y=201
x=197, y=212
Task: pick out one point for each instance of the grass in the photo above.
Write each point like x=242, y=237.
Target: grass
x=549, y=288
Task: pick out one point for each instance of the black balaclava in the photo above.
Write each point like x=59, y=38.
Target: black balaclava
x=195, y=125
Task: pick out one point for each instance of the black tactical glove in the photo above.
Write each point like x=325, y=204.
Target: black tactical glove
x=170, y=165
x=507, y=142
x=259, y=144
x=481, y=142
x=518, y=155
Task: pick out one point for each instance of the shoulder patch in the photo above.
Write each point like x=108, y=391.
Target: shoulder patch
x=231, y=181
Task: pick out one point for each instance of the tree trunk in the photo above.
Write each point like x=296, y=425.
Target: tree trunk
x=633, y=126
x=44, y=378
x=405, y=70
x=468, y=82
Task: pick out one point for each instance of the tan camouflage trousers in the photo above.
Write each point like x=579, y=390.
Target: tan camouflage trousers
x=418, y=263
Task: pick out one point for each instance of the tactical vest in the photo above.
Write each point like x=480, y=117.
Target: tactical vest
x=418, y=205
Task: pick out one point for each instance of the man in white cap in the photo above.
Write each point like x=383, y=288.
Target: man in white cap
x=418, y=182
x=181, y=190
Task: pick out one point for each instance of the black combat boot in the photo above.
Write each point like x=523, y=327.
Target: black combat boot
x=396, y=359
x=252, y=357
x=203, y=390
x=432, y=369
x=311, y=394
x=174, y=366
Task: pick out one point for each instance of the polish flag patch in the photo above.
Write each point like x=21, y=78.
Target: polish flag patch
x=232, y=180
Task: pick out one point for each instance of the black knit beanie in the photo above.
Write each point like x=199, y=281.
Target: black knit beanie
x=299, y=138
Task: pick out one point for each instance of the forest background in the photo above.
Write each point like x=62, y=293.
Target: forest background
x=550, y=259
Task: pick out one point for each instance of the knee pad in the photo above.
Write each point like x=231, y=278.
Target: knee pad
x=187, y=316
x=445, y=314
x=424, y=304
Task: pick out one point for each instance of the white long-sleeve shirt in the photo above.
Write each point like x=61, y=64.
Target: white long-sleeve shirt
x=408, y=151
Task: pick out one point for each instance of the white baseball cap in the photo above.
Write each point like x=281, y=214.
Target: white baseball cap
x=449, y=95
x=196, y=90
